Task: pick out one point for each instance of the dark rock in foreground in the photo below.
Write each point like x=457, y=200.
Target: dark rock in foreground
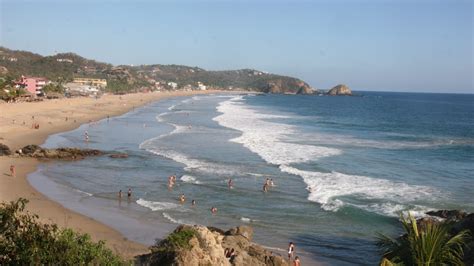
x=4, y=150
x=340, y=90
x=458, y=221
x=450, y=215
x=36, y=151
x=200, y=245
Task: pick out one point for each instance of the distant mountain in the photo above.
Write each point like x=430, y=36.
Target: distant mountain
x=66, y=66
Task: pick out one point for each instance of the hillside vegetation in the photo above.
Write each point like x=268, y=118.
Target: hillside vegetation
x=66, y=66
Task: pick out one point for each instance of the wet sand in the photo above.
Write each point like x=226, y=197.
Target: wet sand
x=53, y=116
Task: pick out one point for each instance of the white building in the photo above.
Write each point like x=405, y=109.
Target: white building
x=202, y=86
x=173, y=85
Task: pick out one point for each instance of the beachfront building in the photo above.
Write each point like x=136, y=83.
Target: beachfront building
x=173, y=85
x=33, y=85
x=81, y=89
x=101, y=83
x=202, y=86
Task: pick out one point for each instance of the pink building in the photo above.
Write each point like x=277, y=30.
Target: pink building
x=33, y=84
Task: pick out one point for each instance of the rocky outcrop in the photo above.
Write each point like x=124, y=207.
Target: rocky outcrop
x=36, y=151
x=449, y=215
x=4, y=150
x=340, y=90
x=458, y=221
x=207, y=246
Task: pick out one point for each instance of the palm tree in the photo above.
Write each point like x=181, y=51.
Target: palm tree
x=430, y=244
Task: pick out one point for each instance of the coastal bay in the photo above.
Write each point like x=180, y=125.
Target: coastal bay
x=51, y=116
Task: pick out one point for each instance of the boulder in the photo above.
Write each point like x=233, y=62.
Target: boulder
x=450, y=215
x=242, y=230
x=305, y=90
x=5, y=150
x=36, y=151
x=208, y=246
x=340, y=90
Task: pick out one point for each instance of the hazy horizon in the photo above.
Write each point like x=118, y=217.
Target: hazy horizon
x=412, y=46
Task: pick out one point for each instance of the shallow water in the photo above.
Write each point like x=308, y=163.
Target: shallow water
x=343, y=167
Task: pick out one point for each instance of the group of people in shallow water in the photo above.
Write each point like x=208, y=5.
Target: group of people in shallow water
x=129, y=194
x=229, y=253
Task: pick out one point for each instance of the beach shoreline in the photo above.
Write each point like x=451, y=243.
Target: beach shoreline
x=54, y=116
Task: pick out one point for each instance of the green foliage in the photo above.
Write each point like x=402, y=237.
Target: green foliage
x=176, y=240
x=25, y=241
x=118, y=86
x=181, y=239
x=56, y=88
x=430, y=244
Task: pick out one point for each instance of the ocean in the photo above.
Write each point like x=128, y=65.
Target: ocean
x=344, y=168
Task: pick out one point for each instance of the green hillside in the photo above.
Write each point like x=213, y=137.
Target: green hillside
x=66, y=66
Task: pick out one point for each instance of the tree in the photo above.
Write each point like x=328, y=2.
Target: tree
x=427, y=244
x=24, y=241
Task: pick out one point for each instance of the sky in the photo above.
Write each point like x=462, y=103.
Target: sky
x=384, y=45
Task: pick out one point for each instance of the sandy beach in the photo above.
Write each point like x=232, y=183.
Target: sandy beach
x=55, y=116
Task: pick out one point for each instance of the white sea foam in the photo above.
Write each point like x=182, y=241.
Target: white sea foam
x=328, y=188
x=190, y=179
x=246, y=220
x=176, y=221
x=267, y=139
x=83, y=192
x=193, y=164
x=157, y=205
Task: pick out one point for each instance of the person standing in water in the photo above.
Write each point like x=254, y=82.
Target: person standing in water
x=193, y=202
x=120, y=194
x=86, y=136
x=230, y=184
x=265, y=187
x=129, y=194
x=182, y=199
x=291, y=250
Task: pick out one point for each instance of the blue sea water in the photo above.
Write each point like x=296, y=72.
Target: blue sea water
x=344, y=168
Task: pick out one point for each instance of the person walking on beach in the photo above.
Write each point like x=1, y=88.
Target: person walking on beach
x=12, y=170
x=120, y=194
x=291, y=250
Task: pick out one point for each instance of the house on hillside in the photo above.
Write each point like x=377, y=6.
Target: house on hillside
x=33, y=85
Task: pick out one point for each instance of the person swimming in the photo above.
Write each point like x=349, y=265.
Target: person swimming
x=213, y=210
x=182, y=198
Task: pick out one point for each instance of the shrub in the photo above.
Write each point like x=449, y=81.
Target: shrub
x=25, y=241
